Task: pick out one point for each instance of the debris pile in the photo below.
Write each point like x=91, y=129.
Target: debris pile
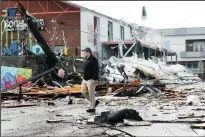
x=117, y=117
x=170, y=94
x=128, y=69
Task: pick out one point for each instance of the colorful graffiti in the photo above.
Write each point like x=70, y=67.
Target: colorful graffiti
x=11, y=76
x=90, y=35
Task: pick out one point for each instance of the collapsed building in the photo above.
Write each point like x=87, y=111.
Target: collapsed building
x=128, y=69
x=136, y=59
x=128, y=72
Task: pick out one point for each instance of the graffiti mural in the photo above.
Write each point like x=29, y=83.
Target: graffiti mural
x=14, y=25
x=11, y=76
x=12, y=50
x=90, y=33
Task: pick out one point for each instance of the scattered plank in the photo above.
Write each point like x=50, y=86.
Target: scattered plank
x=190, y=117
x=174, y=121
x=136, y=123
x=55, y=90
x=16, y=106
x=198, y=126
x=64, y=115
x=5, y=119
x=58, y=121
x=199, y=109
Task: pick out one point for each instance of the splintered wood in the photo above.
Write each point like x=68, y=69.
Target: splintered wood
x=170, y=94
x=198, y=126
x=66, y=90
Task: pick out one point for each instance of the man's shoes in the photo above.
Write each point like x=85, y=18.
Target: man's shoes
x=90, y=110
x=96, y=103
x=93, y=110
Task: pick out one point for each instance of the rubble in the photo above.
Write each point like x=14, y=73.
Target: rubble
x=137, y=123
x=128, y=69
x=162, y=89
x=120, y=115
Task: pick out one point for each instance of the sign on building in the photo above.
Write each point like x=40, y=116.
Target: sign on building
x=20, y=25
x=201, y=66
x=90, y=36
x=166, y=45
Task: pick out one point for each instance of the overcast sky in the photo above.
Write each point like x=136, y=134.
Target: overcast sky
x=161, y=14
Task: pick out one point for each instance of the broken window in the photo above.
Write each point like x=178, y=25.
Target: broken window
x=194, y=67
x=122, y=33
x=110, y=31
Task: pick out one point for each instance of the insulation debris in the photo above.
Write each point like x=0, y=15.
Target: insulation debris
x=128, y=69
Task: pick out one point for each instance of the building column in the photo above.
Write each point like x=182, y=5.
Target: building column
x=135, y=48
x=176, y=59
x=161, y=55
x=76, y=52
x=149, y=53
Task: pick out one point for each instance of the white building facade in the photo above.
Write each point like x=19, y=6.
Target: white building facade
x=104, y=27
x=188, y=43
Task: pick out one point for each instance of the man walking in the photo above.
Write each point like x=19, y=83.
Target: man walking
x=90, y=78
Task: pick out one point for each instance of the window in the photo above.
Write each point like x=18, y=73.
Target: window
x=199, y=46
x=122, y=33
x=189, y=45
x=194, y=67
x=110, y=31
x=166, y=44
x=189, y=65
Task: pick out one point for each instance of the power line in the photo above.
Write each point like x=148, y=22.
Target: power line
x=170, y=26
x=107, y=6
x=113, y=38
x=76, y=30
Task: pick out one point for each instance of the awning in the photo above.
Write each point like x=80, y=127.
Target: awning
x=112, y=43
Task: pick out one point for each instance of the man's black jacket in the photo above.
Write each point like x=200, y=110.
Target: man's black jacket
x=91, y=68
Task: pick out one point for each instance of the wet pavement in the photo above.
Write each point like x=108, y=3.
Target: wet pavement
x=31, y=121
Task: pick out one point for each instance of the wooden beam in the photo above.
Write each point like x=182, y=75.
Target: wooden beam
x=27, y=5
x=47, y=6
x=198, y=126
x=191, y=117
x=41, y=6
x=59, y=5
